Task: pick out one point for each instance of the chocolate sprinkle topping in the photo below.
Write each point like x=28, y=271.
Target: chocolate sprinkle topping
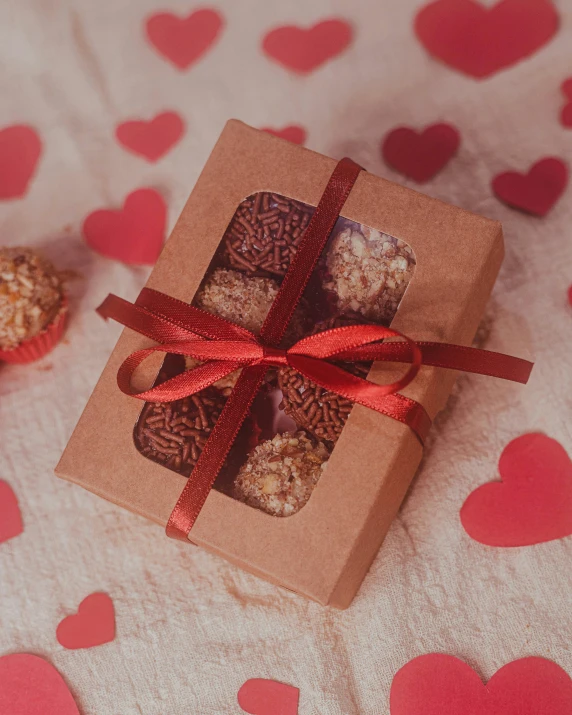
x=264, y=233
x=175, y=433
x=319, y=411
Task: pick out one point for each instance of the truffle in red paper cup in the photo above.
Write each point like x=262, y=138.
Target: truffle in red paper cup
x=33, y=305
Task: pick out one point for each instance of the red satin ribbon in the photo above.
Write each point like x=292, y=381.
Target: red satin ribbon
x=223, y=347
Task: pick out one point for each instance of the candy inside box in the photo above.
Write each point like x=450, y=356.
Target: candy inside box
x=312, y=482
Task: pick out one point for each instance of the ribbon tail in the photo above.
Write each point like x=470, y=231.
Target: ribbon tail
x=445, y=355
x=214, y=454
x=143, y=320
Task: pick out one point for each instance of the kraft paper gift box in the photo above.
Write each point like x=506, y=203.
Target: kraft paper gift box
x=324, y=550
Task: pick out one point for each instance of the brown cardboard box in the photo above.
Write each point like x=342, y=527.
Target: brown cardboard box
x=324, y=550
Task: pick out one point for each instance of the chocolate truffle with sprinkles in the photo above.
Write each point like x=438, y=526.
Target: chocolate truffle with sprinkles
x=175, y=433
x=31, y=296
x=264, y=233
x=319, y=411
x=280, y=474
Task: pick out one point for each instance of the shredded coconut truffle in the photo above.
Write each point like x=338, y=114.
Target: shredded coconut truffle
x=280, y=474
x=31, y=295
x=368, y=272
x=244, y=300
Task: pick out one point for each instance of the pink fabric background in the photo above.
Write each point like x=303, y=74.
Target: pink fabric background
x=190, y=627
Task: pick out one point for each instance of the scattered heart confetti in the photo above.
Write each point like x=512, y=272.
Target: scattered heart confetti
x=31, y=686
x=134, y=234
x=267, y=697
x=420, y=155
x=92, y=625
x=184, y=40
x=293, y=133
x=10, y=517
x=535, y=192
x=437, y=684
x=480, y=39
x=533, y=502
x=151, y=139
x=20, y=149
x=304, y=50
x=566, y=114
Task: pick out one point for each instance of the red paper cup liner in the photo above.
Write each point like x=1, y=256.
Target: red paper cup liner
x=41, y=344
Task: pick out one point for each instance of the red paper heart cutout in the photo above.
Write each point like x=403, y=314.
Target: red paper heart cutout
x=31, y=686
x=20, y=149
x=480, y=40
x=151, y=139
x=93, y=624
x=259, y=696
x=292, y=133
x=304, y=50
x=533, y=502
x=420, y=155
x=570, y=295
x=566, y=114
x=10, y=516
x=184, y=40
x=436, y=684
x=134, y=234
x=535, y=192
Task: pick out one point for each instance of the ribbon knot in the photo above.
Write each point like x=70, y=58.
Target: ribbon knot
x=274, y=357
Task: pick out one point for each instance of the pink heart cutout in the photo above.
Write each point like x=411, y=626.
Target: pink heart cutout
x=535, y=192
x=184, y=40
x=292, y=133
x=31, y=686
x=566, y=114
x=132, y=235
x=151, y=139
x=259, y=696
x=420, y=155
x=436, y=684
x=10, y=516
x=304, y=50
x=20, y=149
x=481, y=40
x=92, y=625
x=533, y=502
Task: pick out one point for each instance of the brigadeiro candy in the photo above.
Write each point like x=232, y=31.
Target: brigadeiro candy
x=280, y=474
x=368, y=272
x=320, y=412
x=265, y=232
x=33, y=305
x=175, y=433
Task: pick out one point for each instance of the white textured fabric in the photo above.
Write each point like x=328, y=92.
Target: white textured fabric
x=190, y=627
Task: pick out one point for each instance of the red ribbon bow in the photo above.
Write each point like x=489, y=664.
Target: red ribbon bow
x=223, y=347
